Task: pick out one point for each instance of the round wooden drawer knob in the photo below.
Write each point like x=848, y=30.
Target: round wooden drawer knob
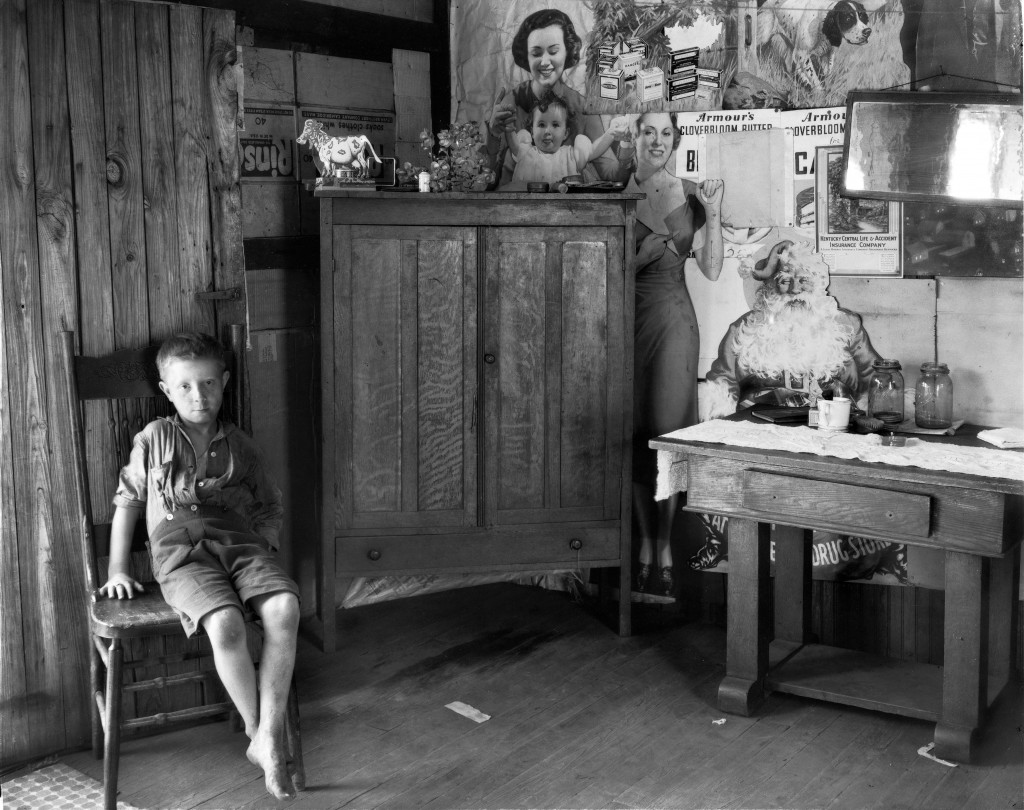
x=575, y=544
x=373, y=554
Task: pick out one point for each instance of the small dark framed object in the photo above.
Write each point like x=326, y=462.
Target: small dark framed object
x=961, y=148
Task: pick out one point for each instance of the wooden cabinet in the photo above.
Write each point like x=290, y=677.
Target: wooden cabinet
x=477, y=366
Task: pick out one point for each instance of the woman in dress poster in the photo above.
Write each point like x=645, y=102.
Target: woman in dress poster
x=676, y=217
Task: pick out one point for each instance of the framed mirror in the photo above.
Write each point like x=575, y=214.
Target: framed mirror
x=929, y=147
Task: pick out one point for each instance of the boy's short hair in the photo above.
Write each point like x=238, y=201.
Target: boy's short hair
x=190, y=346
x=548, y=101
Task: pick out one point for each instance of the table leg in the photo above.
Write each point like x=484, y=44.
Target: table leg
x=965, y=654
x=742, y=688
x=792, y=584
x=1003, y=586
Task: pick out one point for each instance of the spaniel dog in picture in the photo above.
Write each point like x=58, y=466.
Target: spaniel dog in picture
x=801, y=37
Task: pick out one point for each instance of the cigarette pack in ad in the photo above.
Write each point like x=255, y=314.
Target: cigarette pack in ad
x=681, y=59
x=612, y=83
x=651, y=83
x=680, y=87
x=637, y=45
x=629, y=64
x=709, y=77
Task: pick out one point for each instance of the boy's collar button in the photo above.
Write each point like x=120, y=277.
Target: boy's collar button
x=213, y=453
x=195, y=508
x=201, y=483
x=170, y=516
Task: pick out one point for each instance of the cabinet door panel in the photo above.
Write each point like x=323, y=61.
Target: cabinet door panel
x=553, y=409
x=406, y=341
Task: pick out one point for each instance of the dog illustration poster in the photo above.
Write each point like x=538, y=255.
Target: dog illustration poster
x=857, y=237
x=811, y=53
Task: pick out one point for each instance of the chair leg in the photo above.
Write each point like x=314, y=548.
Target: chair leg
x=95, y=688
x=293, y=735
x=112, y=743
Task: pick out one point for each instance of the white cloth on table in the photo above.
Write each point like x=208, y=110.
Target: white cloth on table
x=983, y=461
x=1003, y=437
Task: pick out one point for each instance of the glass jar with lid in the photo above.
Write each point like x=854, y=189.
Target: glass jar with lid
x=933, y=397
x=885, y=393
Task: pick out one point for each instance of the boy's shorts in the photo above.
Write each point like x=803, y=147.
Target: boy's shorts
x=205, y=558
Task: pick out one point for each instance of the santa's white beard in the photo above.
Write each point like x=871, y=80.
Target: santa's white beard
x=806, y=338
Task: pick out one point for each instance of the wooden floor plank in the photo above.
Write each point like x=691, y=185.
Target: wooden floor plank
x=579, y=718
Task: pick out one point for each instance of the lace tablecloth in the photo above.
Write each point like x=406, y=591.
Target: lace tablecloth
x=992, y=463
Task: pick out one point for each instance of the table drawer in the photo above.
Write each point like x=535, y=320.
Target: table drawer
x=790, y=498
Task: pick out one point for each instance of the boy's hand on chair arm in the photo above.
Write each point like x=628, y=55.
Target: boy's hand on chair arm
x=120, y=586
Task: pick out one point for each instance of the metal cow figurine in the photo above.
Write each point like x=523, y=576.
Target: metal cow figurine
x=348, y=152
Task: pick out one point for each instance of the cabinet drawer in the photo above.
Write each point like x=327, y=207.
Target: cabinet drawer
x=535, y=547
x=858, y=508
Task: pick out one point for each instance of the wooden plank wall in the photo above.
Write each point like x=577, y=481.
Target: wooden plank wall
x=120, y=198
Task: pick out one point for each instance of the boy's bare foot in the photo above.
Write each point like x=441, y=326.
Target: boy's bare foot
x=272, y=760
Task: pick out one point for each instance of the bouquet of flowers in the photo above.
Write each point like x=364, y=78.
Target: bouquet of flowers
x=457, y=159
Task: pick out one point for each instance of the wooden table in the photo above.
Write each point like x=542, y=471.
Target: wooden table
x=975, y=521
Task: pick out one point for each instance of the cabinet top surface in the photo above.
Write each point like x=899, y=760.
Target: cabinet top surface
x=490, y=196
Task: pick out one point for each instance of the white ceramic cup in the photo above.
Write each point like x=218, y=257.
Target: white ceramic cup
x=834, y=414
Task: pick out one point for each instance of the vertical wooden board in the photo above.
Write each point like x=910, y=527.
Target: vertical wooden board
x=14, y=742
x=619, y=393
x=156, y=125
x=226, y=203
x=412, y=93
x=269, y=75
x=92, y=224
x=270, y=209
x=408, y=363
x=898, y=314
x=338, y=82
x=376, y=374
x=553, y=272
x=440, y=360
x=520, y=360
x=584, y=372
x=412, y=73
x=981, y=338
x=281, y=365
x=61, y=592
x=471, y=257
x=192, y=134
x=124, y=175
x=26, y=385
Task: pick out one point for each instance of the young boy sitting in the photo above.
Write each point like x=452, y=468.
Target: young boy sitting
x=545, y=157
x=213, y=517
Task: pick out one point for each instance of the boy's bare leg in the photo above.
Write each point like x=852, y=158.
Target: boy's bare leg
x=280, y=615
x=226, y=628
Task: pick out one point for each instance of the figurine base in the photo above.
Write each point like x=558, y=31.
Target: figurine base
x=350, y=184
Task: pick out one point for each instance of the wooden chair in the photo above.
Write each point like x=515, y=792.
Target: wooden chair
x=125, y=385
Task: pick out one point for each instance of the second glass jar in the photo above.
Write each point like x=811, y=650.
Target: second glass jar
x=933, y=397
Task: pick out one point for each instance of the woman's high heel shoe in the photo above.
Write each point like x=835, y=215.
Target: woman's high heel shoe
x=667, y=582
x=642, y=576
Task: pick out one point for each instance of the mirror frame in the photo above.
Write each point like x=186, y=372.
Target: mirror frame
x=1008, y=103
